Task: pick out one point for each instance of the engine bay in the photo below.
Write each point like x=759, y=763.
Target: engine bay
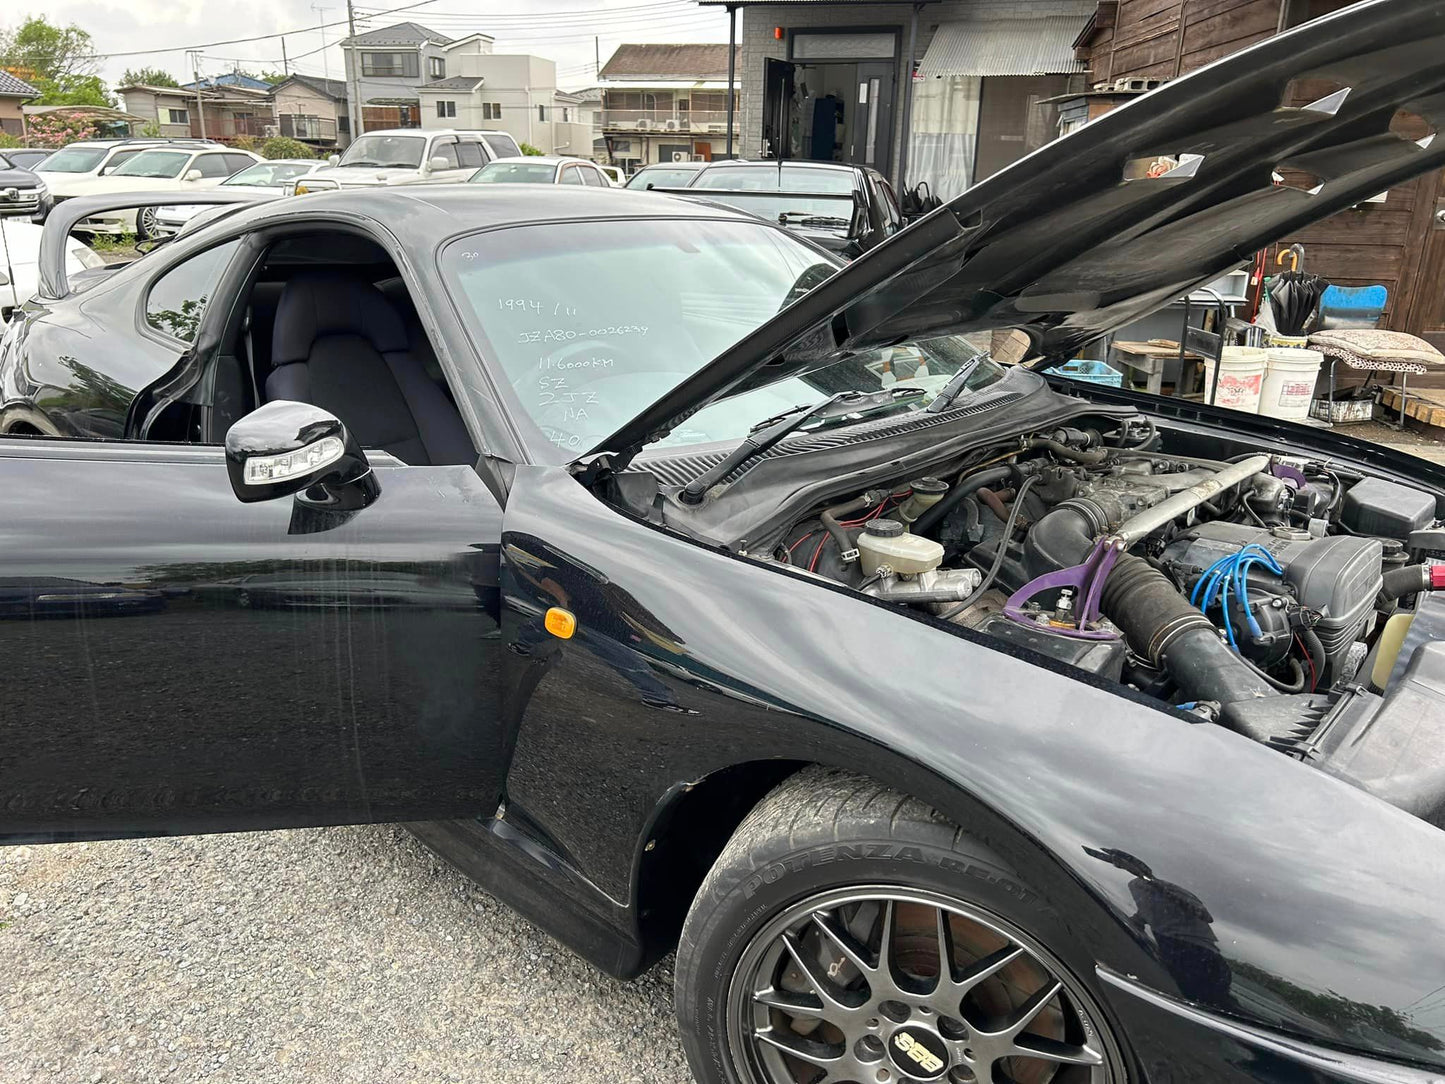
x=1263, y=592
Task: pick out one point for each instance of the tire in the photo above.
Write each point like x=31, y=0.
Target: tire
x=789, y=924
x=145, y=221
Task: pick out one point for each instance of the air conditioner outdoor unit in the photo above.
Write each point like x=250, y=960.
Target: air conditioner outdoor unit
x=670, y=125
x=641, y=124
x=270, y=131
x=717, y=128
x=681, y=156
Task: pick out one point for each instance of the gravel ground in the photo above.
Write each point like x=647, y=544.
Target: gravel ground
x=344, y=954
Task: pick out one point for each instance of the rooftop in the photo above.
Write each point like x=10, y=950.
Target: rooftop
x=398, y=34
x=454, y=82
x=669, y=62
x=332, y=88
x=14, y=87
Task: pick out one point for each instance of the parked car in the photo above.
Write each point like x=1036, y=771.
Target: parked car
x=265, y=180
x=541, y=170
x=156, y=170
x=68, y=171
x=847, y=209
x=937, y=725
x=615, y=176
x=410, y=156
x=24, y=157
x=664, y=175
x=20, y=278
x=23, y=193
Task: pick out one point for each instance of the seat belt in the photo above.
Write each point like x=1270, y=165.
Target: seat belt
x=251, y=360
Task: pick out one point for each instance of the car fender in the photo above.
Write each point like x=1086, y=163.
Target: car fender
x=1318, y=900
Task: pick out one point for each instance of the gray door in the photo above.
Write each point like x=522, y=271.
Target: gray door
x=873, y=115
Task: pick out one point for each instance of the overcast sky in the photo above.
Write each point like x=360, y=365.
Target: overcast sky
x=560, y=30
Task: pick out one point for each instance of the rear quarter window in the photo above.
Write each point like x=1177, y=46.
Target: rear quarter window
x=177, y=299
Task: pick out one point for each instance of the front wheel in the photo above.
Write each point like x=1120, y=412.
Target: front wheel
x=850, y=934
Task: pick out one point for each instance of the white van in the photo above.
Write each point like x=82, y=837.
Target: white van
x=410, y=156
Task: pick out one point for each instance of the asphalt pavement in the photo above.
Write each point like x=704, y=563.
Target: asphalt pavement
x=342, y=954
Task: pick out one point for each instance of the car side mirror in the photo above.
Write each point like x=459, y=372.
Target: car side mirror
x=438, y=163
x=286, y=447
x=192, y=175
x=333, y=159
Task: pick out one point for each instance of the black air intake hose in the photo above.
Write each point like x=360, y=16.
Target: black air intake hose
x=1163, y=628
x=1409, y=580
x=972, y=484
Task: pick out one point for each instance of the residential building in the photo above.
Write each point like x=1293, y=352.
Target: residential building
x=516, y=94
x=389, y=66
x=942, y=91
x=589, y=107
x=1397, y=243
x=220, y=112
x=664, y=103
x=312, y=110
x=13, y=92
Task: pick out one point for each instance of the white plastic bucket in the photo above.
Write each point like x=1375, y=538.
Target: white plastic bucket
x=1241, y=377
x=1289, y=382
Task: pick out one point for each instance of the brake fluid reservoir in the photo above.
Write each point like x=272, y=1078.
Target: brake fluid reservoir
x=885, y=542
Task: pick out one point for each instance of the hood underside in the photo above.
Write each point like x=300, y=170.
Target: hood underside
x=1078, y=239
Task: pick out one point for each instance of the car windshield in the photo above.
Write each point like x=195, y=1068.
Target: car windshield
x=154, y=164
x=661, y=178
x=385, y=152
x=515, y=173
x=592, y=321
x=26, y=159
x=74, y=160
x=267, y=174
x=819, y=197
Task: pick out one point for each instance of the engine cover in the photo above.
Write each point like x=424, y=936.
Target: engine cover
x=1337, y=576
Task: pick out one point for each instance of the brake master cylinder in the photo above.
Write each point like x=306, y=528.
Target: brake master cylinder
x=887, y=542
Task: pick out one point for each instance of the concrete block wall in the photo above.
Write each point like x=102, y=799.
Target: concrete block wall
x=755, y=35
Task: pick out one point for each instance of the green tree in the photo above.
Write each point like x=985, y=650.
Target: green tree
x=528, y=149
x=59, y=61
x=151, y=77
x=282, y=147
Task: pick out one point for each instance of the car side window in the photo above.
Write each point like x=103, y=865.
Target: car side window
x=893, y=217
x=447, y=151
x=177, y=299
x=237, y=162
x=593, y=177
x=572, y=175
x=469, y=154
x=212, y=165
x=116, y=160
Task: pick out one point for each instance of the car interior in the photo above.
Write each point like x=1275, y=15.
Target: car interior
x=328, y=321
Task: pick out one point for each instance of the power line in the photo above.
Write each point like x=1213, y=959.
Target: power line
x=552, y=18
x=213, y=44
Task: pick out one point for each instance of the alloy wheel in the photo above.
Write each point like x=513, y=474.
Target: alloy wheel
x=147, y=223
x=885, y=985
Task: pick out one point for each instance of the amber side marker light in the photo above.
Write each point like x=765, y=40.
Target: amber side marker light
x=560, y=623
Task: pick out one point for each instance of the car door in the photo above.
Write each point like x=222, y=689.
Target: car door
x=173, y=660
x=452, y=172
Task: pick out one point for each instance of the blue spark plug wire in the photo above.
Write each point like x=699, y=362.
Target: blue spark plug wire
x=1233, y=569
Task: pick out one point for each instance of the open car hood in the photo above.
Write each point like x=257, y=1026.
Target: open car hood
x=1075, y=240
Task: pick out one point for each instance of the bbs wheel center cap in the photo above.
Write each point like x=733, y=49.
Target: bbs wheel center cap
x=918, y=1053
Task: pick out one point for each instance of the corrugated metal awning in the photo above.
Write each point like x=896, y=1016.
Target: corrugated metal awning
x=1042, y=46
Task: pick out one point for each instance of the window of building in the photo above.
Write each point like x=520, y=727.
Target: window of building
x=542, y=113
x=436, y=67
x=446, y=109
x=491, y=111
x=178, y=116
x=177, y=301
x=390, y=65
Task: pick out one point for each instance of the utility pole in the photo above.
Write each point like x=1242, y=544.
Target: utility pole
x=200, y=102
x=285, y=67
x=321, y=14
x=597, y=56
x=353, y=85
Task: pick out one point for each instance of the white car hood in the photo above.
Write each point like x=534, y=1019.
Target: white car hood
x=101, y=186
x=362, y=176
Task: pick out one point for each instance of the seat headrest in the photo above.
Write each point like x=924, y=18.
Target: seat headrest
x=315, y=305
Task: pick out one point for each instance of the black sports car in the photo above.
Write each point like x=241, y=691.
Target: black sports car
x=951, y=722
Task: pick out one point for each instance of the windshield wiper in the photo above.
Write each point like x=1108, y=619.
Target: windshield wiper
x=807, y=218
x=954, y=388
x=769, y=431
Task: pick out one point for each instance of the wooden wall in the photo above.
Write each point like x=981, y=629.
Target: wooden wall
x=1162, y=39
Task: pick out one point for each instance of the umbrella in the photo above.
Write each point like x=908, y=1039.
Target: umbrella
x=1294, y=296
